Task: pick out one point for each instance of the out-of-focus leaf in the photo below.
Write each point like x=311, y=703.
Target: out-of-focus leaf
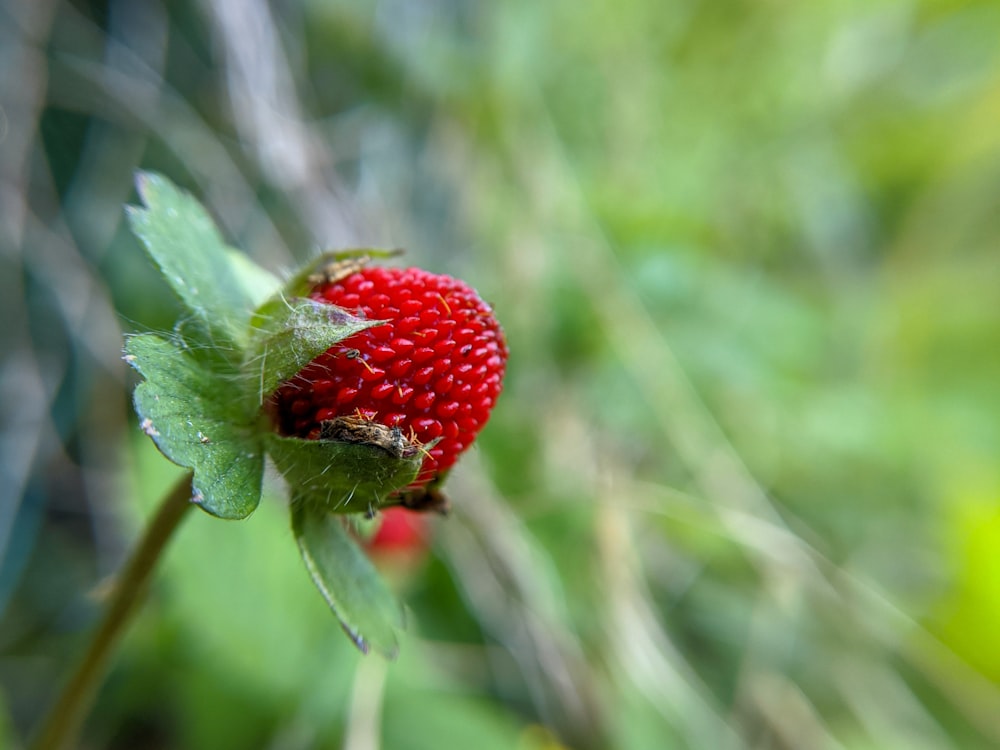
x=258, y=283
x=970, y=615
x=450, y=718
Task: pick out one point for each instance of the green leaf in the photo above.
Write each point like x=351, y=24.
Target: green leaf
x=346, y=578
x=288, y=334
x=340, y=477
x=258, y=284
x=191, y=416
x=219, y=286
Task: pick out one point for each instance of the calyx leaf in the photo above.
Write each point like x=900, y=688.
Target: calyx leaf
x=288, y=334
x=367, y=610
x=196, y=424
x=341, y=477
x=218, y=286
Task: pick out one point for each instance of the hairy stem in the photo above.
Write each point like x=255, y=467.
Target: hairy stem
x=63, y=721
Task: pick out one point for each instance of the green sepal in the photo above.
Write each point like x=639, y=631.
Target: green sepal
x=368, y=611
x=288, y=334
x=304, y=281
x=258, y=284
x=190, y=414
x=218, y=286
x=340, y=477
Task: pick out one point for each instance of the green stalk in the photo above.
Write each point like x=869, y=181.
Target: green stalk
x=63, y=722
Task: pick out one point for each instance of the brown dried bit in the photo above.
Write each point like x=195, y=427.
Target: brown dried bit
x=337, y=270
x=429, y=499
x=366, y=432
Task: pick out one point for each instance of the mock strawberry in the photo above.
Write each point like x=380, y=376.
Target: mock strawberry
x=433, y=371
x=400, y=530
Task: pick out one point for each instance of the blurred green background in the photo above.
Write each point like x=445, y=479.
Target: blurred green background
x=742, y=488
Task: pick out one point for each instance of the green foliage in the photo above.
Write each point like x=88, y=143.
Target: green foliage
x=340, y=477
x=743, y=473
x=205, y=412
x=218, y=288
x=368, y=611
x=287, y=334
x=194, y=419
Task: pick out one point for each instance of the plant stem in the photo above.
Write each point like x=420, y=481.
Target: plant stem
x=63, y=721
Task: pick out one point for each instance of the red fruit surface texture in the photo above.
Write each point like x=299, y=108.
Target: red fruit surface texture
x=434, y=370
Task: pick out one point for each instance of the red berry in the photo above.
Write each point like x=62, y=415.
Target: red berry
x=400, y=529
x=434, y=370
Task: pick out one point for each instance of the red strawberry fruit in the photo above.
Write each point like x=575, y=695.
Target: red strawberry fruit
x=433, y=370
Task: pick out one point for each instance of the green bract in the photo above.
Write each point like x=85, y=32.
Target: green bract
x=364, y=473
x=288, y=334
x=206, y=385
x=345, y=577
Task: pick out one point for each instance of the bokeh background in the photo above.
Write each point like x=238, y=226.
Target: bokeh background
x=742, y=488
